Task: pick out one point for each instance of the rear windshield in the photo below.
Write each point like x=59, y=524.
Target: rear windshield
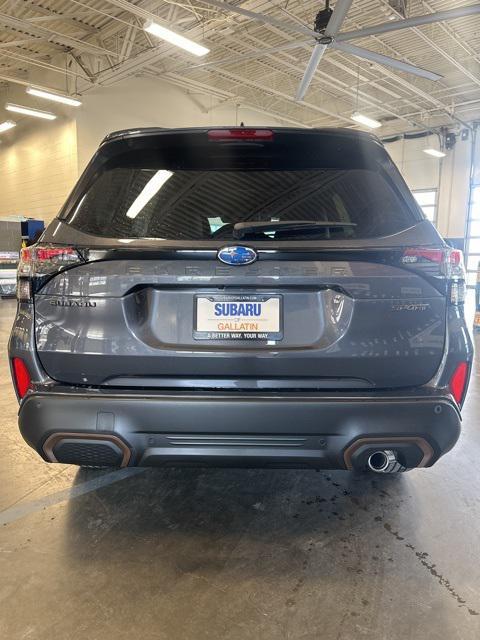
x=137, y=195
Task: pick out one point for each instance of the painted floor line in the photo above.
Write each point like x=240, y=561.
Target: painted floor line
x=21, y=510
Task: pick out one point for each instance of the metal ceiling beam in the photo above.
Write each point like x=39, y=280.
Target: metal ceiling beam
x=237, y=96
x=270, y=57
x=412, y=88
x=50, y=14
x=235, y=59
x=150, y=56
x=441, y=50
x=28, y=83
x=42, y=64
x=226, y=96
x=448, y=29
x=459, y=106
x=34, y=29
x=147, y=56
x=242, y=102
x=18, y=43
x=258, y=17
x=283, y=95
x=416, y=21
x=128, y=42
x=134, y=9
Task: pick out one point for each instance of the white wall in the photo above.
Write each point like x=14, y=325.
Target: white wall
x=450, y=175
x=145, y=102
x=38, y=170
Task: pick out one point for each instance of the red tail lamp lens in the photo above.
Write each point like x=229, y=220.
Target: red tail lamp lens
x=50, y=253
x=458, y=381
x=218, y=135
x=21, y=376
x=456, y=257
x=432, y=255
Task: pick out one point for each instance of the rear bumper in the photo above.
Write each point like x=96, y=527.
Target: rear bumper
x=254, y=429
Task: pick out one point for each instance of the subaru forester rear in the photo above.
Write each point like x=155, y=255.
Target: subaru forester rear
x=257, y=297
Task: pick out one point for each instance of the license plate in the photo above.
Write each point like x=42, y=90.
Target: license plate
x=238, y=317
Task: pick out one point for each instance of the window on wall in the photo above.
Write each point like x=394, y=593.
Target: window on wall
x=473, y=237
x=427, y=199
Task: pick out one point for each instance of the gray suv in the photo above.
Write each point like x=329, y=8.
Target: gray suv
x=242, y=297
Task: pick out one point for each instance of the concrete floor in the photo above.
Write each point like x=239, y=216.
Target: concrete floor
x=234, y=555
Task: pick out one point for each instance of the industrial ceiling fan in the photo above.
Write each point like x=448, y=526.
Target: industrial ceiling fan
x=327, y=25
x=326, y=34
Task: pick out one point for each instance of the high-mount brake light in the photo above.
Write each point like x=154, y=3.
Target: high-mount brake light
x=223, y=135
x=448, y=263
x=21, y=377
x=40, y=261
x=458, y=382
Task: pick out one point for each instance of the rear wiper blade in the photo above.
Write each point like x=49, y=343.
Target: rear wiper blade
x=242, y=229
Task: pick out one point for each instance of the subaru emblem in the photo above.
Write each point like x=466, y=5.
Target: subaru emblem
x=237, y=255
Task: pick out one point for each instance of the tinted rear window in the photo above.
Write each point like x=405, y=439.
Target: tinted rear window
x=141, y=194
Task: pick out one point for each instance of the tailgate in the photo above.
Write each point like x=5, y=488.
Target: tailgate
x=335, y=323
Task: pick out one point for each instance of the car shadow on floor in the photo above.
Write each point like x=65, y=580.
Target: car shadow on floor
x=202, y=518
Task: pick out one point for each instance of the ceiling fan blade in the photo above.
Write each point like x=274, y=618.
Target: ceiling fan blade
x=360, y=52
x=260, y=17
x=336, y=20
x=416, y=21
x=338, y=16
x=317, y=53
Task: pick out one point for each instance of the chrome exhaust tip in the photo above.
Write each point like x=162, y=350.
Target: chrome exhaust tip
x=384, y=461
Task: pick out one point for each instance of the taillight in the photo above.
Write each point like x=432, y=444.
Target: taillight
x=446, y=262
x=218, y=135
x=21, y=377
x=40, y=261
x=418, y=254
x=458, y=382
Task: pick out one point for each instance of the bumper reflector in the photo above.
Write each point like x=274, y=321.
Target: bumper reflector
x=21, y=377
x=458, y=382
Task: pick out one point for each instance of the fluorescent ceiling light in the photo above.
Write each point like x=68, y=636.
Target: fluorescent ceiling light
x=56, y=97
x=365, y=120
x=8, y=124
x=175, y=38
x=435, y=153
x=150, y=190
x=28, y=111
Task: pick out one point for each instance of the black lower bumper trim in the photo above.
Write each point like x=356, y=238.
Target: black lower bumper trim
x=244, y=430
